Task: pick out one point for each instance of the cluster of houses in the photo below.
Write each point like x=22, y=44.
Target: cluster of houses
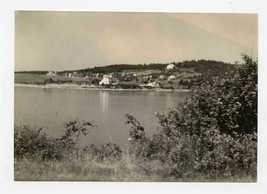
x=114, y=79
x=52, y=73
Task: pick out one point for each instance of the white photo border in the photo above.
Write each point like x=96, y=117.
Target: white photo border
x=7, y=25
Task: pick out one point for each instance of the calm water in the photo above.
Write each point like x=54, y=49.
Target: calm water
x=53, y=107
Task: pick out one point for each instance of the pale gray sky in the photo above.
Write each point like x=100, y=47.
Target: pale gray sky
x=75, y=40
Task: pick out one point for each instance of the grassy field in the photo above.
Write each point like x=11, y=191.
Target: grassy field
x=86, y=170
x=29, y=78
x=143, y=72
x=125, y=170
x=41, y=79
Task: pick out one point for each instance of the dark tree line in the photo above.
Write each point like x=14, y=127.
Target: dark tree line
x=200, y=66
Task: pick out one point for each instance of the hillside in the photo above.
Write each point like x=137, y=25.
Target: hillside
x=199, y=66
x=182, y=75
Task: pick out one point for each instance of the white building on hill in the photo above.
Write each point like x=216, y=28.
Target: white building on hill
x=170, y=67
x=171, y=77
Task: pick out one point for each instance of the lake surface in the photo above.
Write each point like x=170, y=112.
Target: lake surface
x=53, y=107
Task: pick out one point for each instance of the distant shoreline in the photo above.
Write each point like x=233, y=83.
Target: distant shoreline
x=82, y=87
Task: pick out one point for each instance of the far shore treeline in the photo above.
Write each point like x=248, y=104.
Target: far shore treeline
x=199, y=66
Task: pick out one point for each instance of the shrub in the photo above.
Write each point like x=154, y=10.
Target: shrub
x=212, y=134
x=30, y=142
x=137, y=138
x=33, y=143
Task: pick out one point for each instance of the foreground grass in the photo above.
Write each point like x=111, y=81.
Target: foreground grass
x=84, y=170
x=125, y=170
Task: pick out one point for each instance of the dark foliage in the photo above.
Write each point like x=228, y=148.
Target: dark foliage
x=201, y=66
x=121, y=67
x=204, y=66
x=137, y=131
x=213, y=134
x=33, y=143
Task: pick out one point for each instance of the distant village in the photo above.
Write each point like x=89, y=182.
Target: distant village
x=172, y=76
x=169, y=78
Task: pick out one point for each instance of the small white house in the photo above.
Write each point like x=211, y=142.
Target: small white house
x=162, y=77
x=170, y=67
x=75, y=74
x=171, y=77
x=153, y=84
x=106, y=80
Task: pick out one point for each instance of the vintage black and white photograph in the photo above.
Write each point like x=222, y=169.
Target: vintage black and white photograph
x=135, y=96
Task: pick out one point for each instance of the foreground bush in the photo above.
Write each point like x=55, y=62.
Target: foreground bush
x=30, y=142
x=211, y=135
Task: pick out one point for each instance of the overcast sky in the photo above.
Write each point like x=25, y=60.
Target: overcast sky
x=76, y=40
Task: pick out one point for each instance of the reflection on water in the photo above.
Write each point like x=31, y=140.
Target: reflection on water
x=104, y=102
x=168, y=101
x=48, y=91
